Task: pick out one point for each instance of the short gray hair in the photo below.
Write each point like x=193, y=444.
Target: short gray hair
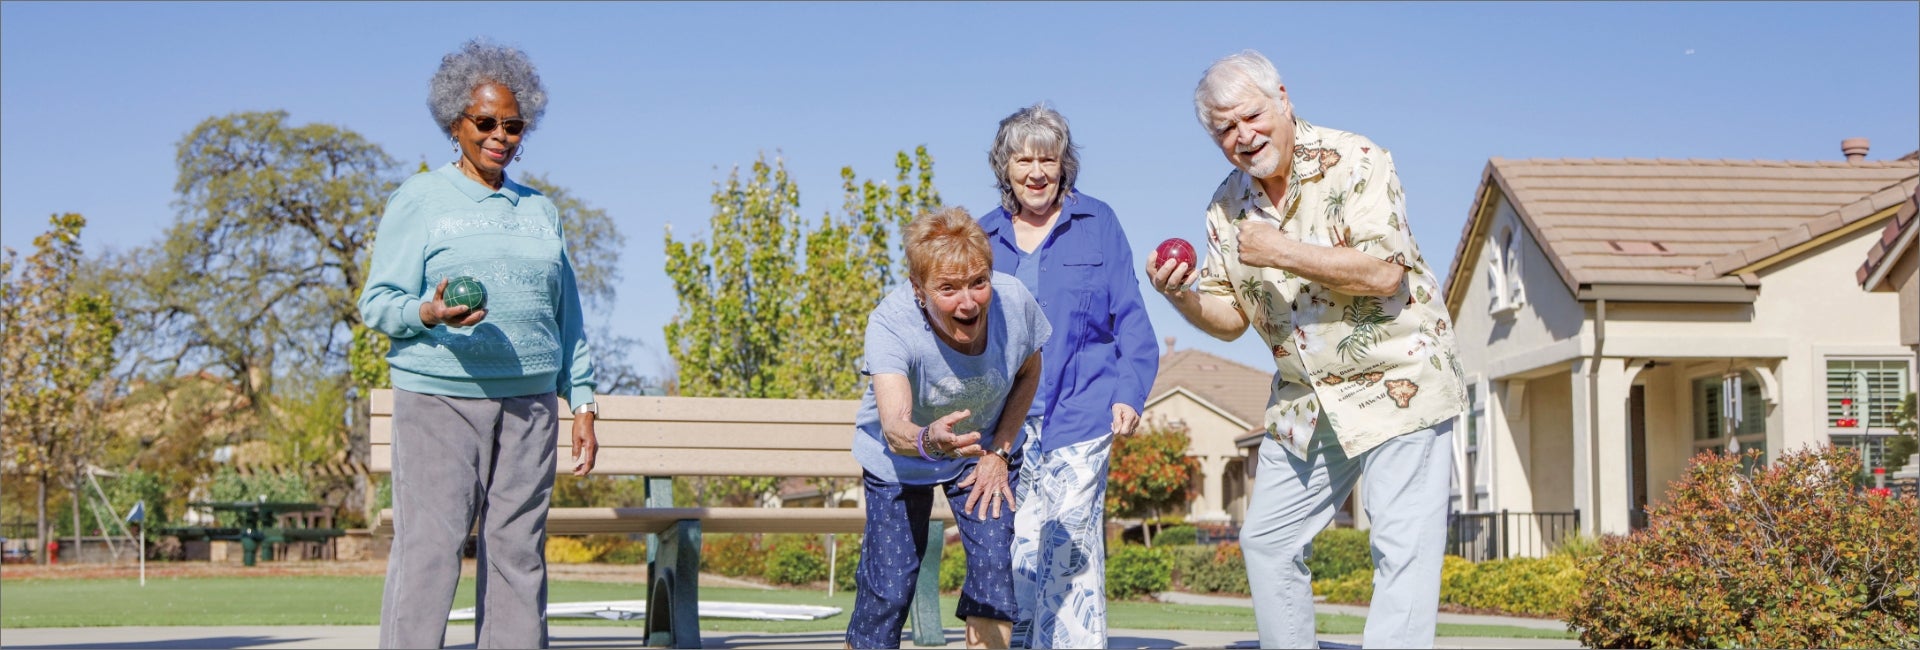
x=1043, y=128
x=1230, y=79
x=477, y=63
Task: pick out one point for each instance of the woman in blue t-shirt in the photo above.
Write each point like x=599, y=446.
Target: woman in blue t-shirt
x=949, y=353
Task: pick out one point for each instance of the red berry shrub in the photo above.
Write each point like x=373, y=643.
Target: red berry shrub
x=1793, y=555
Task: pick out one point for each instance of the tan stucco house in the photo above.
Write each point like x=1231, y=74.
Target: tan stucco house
x=1219, y=401
x=1617, y=316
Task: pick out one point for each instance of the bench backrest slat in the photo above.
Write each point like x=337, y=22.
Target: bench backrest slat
x=692, y=436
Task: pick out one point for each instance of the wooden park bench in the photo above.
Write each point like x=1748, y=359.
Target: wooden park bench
x=662, y=437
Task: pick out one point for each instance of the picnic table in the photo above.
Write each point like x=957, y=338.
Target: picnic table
x=260, y=526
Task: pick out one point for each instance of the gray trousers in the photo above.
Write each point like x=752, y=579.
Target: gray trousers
x=1407, y=480
x=455, y=459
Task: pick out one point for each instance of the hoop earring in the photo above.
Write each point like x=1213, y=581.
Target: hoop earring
x=918, y=301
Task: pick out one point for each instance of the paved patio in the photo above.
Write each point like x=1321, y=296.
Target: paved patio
x=565, y=636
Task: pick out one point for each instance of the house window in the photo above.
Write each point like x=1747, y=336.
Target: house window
x=1710, y=423
x=1862, y=395
x=1503, y=272
x=1470, y=485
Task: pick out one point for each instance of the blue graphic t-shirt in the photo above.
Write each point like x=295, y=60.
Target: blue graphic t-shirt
x=900, y=341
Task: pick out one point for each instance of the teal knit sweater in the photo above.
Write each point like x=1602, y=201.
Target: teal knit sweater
x=441, y=224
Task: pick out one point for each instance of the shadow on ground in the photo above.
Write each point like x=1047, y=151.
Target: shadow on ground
x=211, y=642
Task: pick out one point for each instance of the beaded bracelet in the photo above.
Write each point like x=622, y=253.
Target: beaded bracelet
x=920, y=442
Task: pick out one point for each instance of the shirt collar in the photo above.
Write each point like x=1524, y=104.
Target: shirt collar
x=999, y=222
x=1306, y=164
x=474, y=190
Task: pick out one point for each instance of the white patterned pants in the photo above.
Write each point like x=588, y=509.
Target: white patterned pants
x=1059, y=559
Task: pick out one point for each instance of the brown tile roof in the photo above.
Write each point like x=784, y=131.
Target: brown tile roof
x=1239, y=389
x=1657, y=221
x=1894, y=240
x=1846, y=215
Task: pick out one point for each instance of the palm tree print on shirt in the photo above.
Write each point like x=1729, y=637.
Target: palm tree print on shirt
x=1369, y=322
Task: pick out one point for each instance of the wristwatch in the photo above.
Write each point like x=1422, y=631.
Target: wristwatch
x=1005, y=454
x=589, y=407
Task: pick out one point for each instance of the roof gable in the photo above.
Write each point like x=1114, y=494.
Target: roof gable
x=1659, y=222
x=1895, y=239
x=1233, y=388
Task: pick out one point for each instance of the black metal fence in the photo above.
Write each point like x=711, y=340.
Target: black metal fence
x=1482, y=536
x=1216, y=533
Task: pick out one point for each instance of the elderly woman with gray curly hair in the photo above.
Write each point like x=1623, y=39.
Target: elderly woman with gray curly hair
x=477, y=386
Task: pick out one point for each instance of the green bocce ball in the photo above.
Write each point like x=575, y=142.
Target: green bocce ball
x=466, y=292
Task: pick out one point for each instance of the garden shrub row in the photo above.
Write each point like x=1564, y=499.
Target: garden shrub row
x=1523, y=585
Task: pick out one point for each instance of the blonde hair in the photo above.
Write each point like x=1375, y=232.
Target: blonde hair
x=947, y=238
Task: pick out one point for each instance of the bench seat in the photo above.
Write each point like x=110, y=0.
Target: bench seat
x=659, y=438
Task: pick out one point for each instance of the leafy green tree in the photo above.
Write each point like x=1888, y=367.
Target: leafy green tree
x=263, y=267
x=56, y=346
x=1148, y=472
x=1902, y=447
x=774, y=306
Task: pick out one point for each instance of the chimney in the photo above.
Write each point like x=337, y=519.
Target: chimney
x=1855, y=149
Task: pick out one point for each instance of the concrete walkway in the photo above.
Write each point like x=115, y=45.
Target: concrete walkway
x=563, y=636
x=460, y=635
x=1361, y=611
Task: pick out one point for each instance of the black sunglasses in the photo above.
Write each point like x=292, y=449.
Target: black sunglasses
x=487, y=123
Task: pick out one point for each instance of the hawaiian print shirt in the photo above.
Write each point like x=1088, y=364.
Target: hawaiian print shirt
x=1376, y=367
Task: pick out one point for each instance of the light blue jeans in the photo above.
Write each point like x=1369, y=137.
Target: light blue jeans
x=1407, y=479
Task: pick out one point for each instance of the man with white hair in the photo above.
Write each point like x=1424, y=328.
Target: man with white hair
x=1308, y=243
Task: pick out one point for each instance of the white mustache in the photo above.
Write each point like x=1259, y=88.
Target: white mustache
x=1256, y=144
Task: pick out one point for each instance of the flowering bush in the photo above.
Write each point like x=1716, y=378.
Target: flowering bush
x=1210, y=569
x=732, y=555
x=1792, y=555
x=568, y=550
x=796, y=561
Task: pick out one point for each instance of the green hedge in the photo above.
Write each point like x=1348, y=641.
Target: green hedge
x=846, y=562
x=1526, y=586
x=796, y=562
x=1177, y=535
x=1137, y=570
x=953, y=567
x=1338, y=552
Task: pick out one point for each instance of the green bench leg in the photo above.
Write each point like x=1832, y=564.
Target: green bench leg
x=673, y=588
x=927, y=630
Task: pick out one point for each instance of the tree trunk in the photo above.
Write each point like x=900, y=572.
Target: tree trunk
x=42, y=540
x=73, y=493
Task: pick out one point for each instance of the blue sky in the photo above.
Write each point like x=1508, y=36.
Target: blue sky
x=653, y=103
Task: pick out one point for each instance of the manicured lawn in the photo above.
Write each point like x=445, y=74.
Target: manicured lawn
x=355, y=600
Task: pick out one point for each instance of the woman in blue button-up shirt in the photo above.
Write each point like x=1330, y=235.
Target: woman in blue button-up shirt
x=1070, y=252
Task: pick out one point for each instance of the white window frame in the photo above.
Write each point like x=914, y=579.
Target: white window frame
x=1516, y=287
x=1867, y=424
x=1476, y=457
x=1506, y=290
